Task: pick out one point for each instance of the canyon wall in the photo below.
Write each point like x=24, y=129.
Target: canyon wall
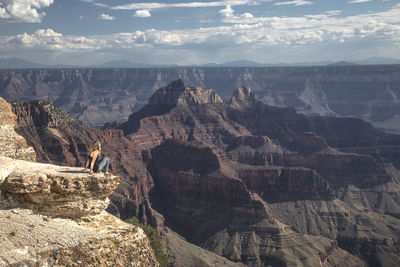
x=97, y=96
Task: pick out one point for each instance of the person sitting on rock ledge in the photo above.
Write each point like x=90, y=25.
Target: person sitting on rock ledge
x=96, y=161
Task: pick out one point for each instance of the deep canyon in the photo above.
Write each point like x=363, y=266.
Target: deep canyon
x=284, y=170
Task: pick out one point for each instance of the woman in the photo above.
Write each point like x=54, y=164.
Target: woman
x=95, y=161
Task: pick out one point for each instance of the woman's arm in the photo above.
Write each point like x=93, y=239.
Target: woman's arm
x=86, y=165
x=94, y=157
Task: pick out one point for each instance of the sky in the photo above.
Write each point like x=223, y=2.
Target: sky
x=86, y=32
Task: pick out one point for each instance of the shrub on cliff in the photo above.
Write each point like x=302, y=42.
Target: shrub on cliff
x=154, y=239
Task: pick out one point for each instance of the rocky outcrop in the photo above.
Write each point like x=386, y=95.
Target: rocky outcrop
x=32, y=239
x=12, y=144
x=206, y=122
x=242, y=97
x=179, y=93
x=54, y=190
x=54, y=216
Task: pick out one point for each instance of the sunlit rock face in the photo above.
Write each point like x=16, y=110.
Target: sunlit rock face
x=34, y=239
x=55, y=190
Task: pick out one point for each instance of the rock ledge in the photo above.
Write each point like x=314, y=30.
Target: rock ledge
x=54, y=190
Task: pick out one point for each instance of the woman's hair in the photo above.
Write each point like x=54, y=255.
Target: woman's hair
x=95, y=146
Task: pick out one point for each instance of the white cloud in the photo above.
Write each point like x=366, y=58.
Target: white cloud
x=228, y=14
x=143, y=13
x=49, y=40
x=103, y=16
x=294, y=2
x=359, y=1
x=47, y=33
x=101, y=5
x=245, y=31
x=156, y=5
x=15, y=11
x=333, y=12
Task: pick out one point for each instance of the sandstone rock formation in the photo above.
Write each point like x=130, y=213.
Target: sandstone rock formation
x=62, y=140
x=54, y=216
x=54, y=190
x=33, y=239
x=178, y=92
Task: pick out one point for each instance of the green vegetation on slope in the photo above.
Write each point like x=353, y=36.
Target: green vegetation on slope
x=154, y=239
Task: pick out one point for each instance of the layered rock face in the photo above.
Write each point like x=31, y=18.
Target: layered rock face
x=54, y=190
x=97, y=96
x=54, y=216
x=263, y=185
x=13, y=145
x=56, y=136
x=178, y=92
x=182, y=119
x=231, y=219
x=325, y=173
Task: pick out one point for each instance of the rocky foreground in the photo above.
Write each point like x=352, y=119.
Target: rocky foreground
x=55, y=215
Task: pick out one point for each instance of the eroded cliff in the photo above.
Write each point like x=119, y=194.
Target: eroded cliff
x=55, y=215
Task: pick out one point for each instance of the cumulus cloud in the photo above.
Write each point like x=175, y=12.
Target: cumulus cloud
x=295, y=2
x=143, y=13
x=228, y=13
x=23, y=10
x=244, y=30
x=103, y=16
x=49, y=40
x=47, y=33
